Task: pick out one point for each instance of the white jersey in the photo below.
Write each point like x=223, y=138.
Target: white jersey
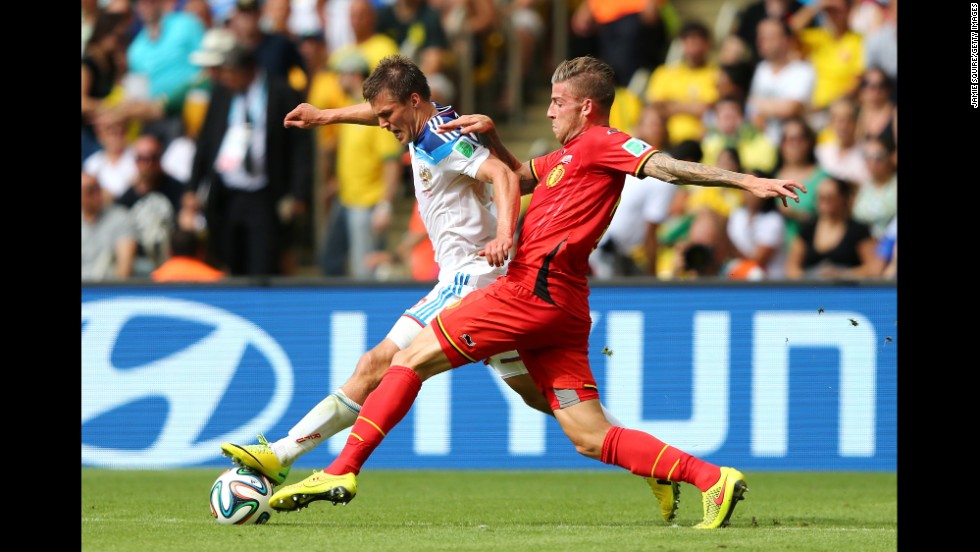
x=457, y=209
x=461, y=218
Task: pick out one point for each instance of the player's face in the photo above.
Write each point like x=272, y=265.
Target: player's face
x=565, y=112
x=400, y=119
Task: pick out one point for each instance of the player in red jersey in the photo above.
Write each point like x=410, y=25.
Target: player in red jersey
x=541, y=306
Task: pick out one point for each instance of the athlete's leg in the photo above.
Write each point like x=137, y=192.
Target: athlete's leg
x=388, y=404
x=338, y=410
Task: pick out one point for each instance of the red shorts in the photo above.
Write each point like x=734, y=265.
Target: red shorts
x=553, y=344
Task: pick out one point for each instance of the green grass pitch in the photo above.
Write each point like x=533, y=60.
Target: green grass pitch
x=589, y=511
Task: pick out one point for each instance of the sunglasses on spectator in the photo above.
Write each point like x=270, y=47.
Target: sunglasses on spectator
x=150, y=157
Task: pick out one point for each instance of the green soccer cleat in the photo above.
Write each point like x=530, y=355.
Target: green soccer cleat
x=259, y=458
x=721, y=498
x=338, y=489
x=668, y=495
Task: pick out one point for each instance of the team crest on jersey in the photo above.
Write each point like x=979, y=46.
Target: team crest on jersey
x=555, y=175
x=464, y=148
x=636, y=146
x=425, y=176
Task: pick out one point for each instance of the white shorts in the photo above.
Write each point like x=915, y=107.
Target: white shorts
x=447, y=292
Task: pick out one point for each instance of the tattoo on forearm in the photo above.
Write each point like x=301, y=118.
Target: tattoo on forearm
x=675, y=171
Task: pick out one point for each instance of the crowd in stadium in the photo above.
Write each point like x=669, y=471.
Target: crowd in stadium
x=189, y=174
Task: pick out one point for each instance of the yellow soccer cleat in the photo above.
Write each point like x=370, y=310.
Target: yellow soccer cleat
x=338, y=489
x=668, y=495
x=259, y=458
x=721, y=498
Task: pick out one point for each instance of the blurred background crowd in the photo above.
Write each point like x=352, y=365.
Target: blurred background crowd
x=189, y=175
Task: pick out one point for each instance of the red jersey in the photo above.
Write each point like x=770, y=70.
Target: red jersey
x=578, y=190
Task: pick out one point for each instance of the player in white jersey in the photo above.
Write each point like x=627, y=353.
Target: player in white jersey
x=471, y=225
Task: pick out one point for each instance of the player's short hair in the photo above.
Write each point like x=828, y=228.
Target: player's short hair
x=400, y=77
x=588, y=77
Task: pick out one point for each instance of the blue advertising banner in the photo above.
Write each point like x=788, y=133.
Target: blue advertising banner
x=779, y=377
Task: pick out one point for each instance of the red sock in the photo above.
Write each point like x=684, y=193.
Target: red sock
x=647, y=456
x=382, y=410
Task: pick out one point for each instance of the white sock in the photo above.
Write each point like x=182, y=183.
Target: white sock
x=609, y=416
x=331, y=415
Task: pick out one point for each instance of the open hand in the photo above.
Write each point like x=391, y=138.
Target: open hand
x=467, y=124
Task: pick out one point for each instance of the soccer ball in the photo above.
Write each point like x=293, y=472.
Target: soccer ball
x=240, y=496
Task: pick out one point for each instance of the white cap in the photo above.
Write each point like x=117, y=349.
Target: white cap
x=214, y=46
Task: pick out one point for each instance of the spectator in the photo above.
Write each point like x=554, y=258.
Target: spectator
x=275, y=17
x=706, y=251
x=115, y=164
x=179, y=154
x=876, y=114
x=529, y=28
x=881, y=47
x=200, y=9
x=160, y=70
x=754, y=149
x=368, y=42
x=754, y=13
x=735, y=70
x=186, y=261
x=151, y=177
x=885, y=262
x=336, y=23
x=631, y=34
x=782, y=85
x=306, y=18
x=797, y=161
x=840, y=154
x=758, y=232
x=833, y=245
x=630, y=246
x=368, y=180
x=685, y=90
x=153, y=201
x=474, y=33
x=90, y=12
x=876, y=203
x=836, y=52
x=867, y=16
x=108, y=237
x=277, y=54
x=418, y=31
x=100, y=71
x=254, y=167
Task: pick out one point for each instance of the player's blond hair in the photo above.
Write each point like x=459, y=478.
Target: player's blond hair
x=588, y=77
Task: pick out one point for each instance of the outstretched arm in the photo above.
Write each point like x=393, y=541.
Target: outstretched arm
x=675, y=171
x=307, y=116
x=473, y=124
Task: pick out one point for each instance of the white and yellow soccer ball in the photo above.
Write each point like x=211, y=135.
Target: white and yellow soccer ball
x=240, y=496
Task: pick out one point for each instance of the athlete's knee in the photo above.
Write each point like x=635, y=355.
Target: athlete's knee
x=586, y=446
x=371, y=368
